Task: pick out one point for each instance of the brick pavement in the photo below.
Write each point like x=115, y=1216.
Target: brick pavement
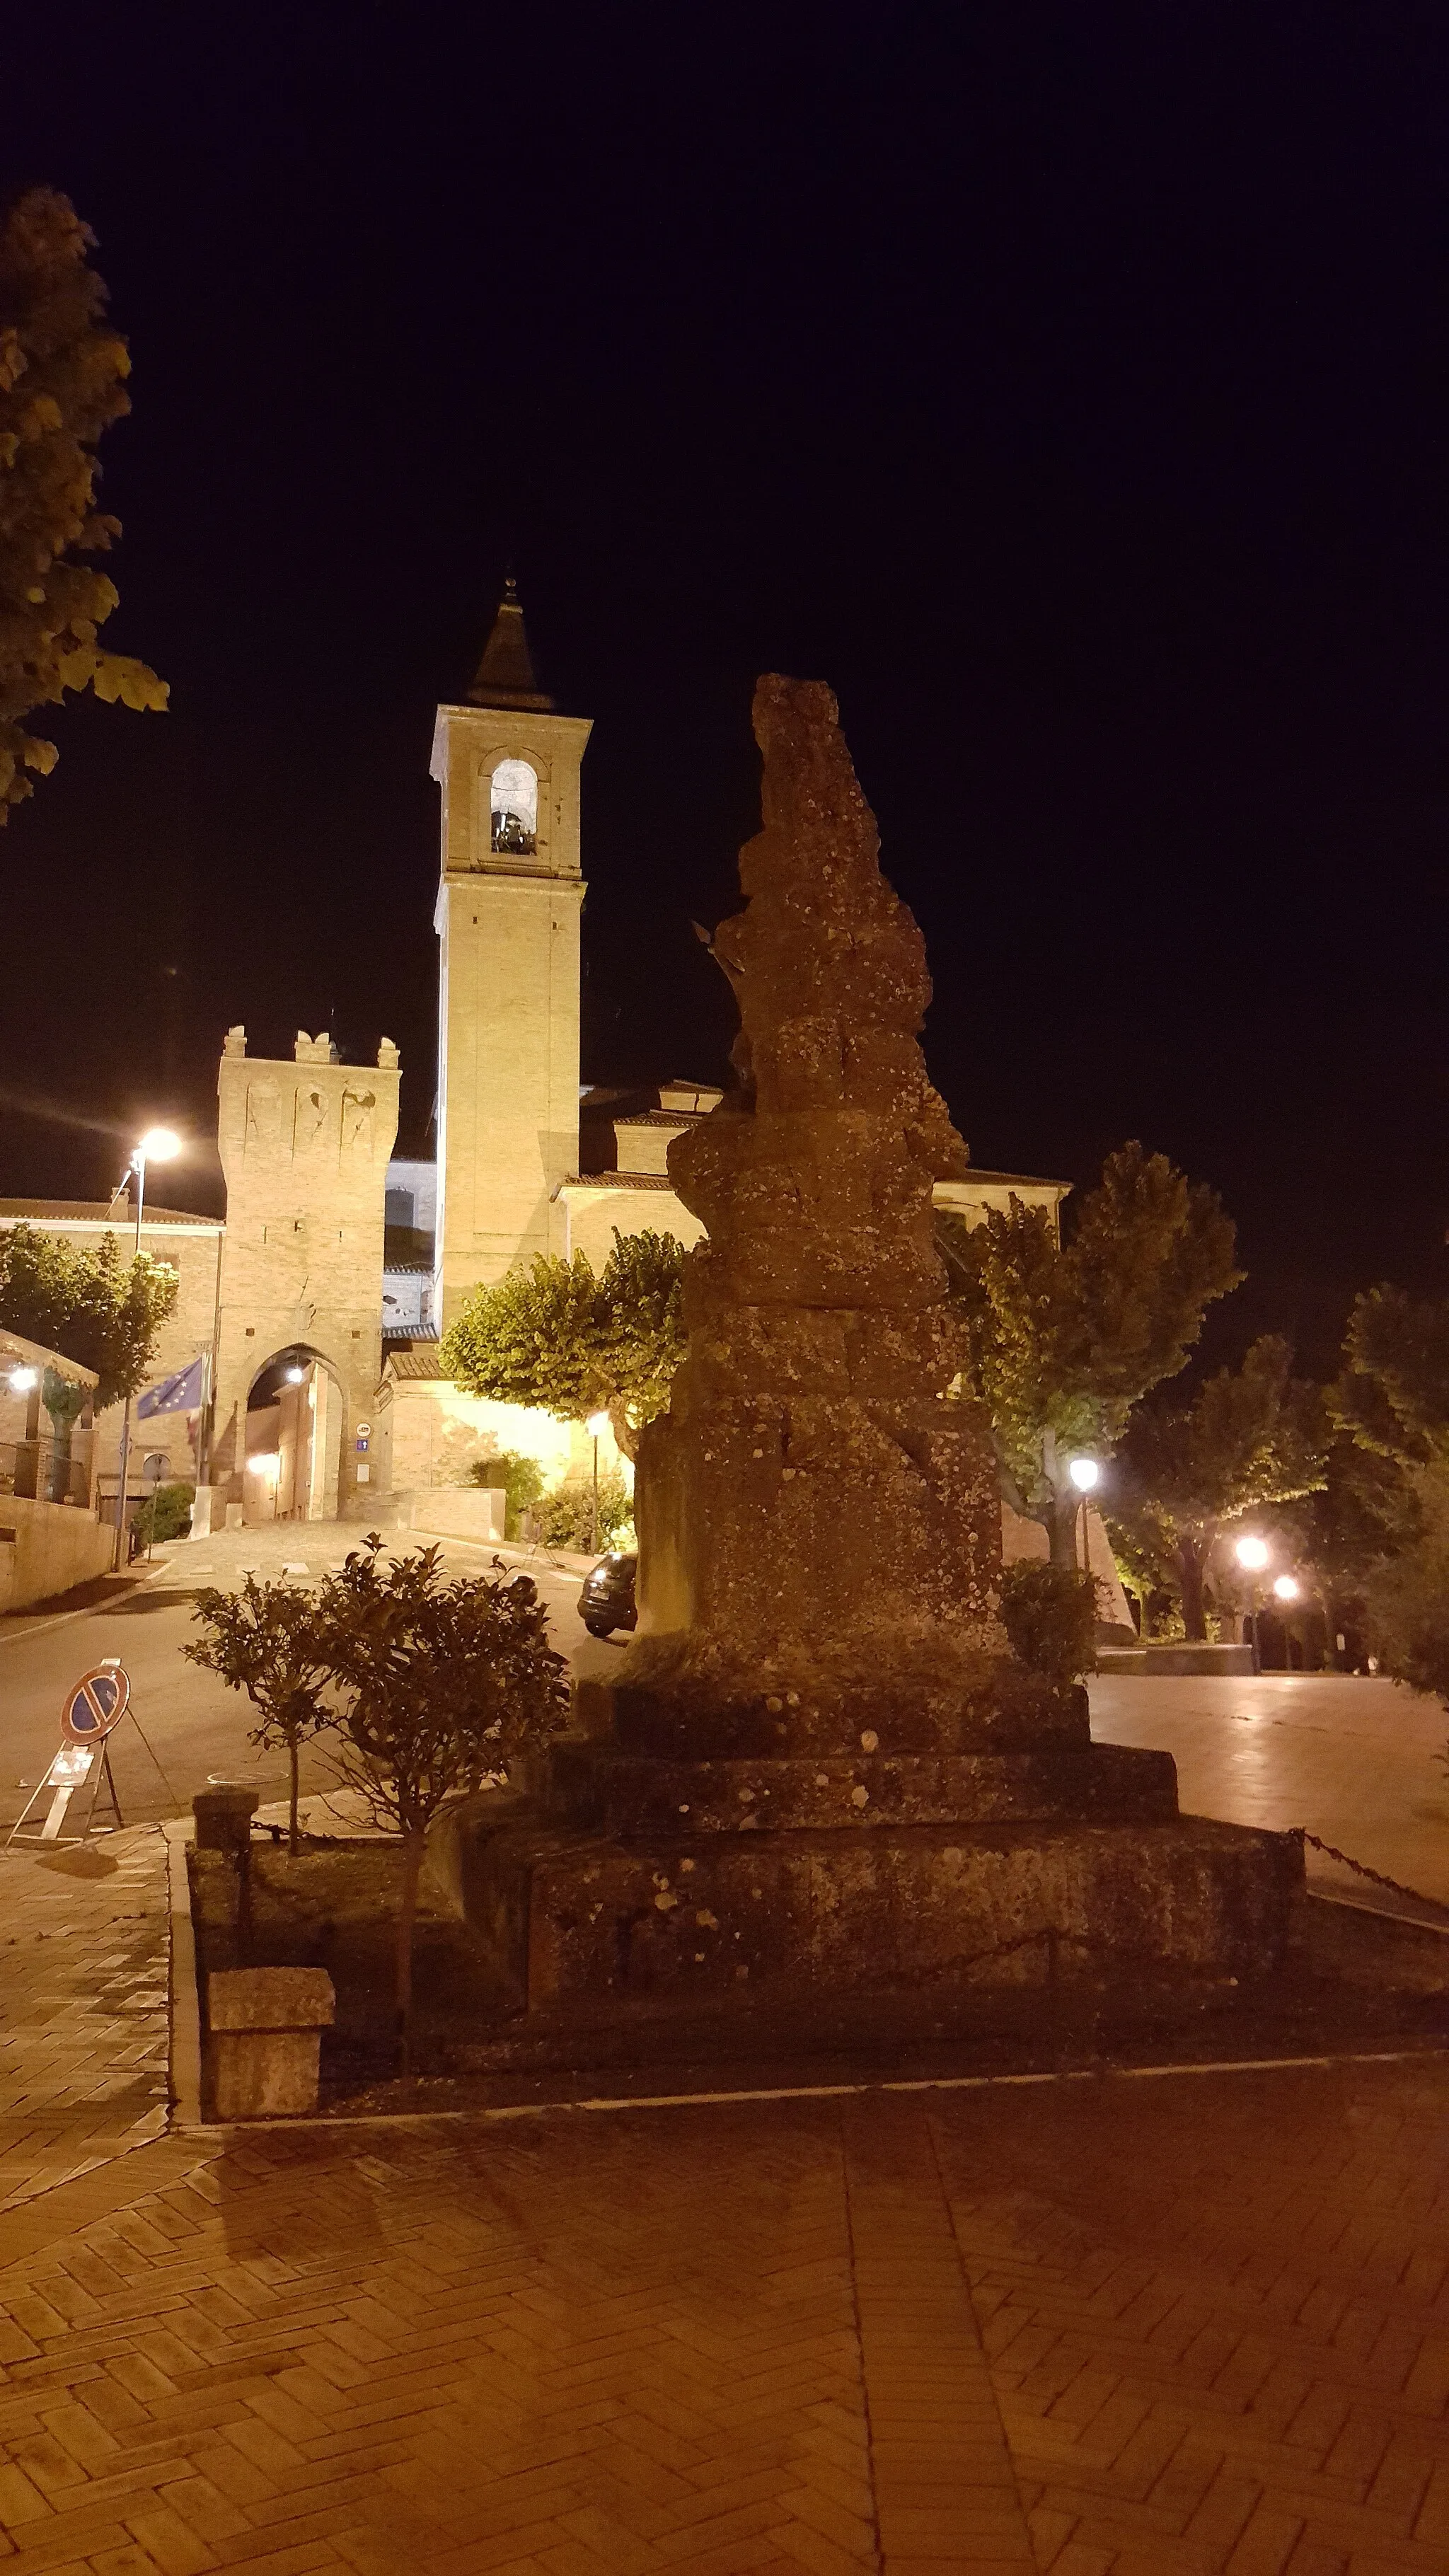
x=1192, y=2324
x=83, y=2014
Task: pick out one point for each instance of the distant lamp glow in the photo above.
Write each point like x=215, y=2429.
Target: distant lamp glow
x=1286, y=1587
x=1084, y=1473
x=23, y=1379
x=295, y=1376
x=1252, y=1553
x=159, y=1145
x=596, y=1425
x=266, y=1462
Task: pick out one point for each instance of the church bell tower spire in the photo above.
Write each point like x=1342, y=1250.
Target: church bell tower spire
x=509, y=899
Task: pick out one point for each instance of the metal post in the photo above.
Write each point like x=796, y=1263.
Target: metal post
x=118, y=1556
x=595, y=1546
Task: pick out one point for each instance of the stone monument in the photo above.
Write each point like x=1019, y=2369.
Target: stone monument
x=820, y=1776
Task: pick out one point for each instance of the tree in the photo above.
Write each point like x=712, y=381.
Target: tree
x=444, y=1686
x=557, y=1336
x=1251, y=1436
x=62, y=382
x=1392, y=1402
x=64, y=1399
x=90, y=1304
x=269, y=1641
x=1393, y=1394
x=1063, y=1343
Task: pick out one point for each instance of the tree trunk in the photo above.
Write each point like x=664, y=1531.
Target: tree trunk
x=626, y=1438
x=294, y=1760
x=1190, y=1565
x=413, y=1845
x=1062, y=1529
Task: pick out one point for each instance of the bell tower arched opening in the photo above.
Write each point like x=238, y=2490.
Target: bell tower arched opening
x=513, y=809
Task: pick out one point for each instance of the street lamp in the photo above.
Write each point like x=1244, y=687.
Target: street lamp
x=158, y=1145
x=1252, y=1555
x=1085, y=1473
x=597, y=1424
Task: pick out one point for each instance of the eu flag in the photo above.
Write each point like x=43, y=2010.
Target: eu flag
x=182, y=1393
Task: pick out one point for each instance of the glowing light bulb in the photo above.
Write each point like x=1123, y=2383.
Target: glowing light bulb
x=1084, y=1473
x=597, y=1424
x=1286, y=1588
x=1252, y=1553
x=159, y=1145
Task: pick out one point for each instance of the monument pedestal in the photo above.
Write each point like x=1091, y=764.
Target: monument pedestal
x=635, y=1886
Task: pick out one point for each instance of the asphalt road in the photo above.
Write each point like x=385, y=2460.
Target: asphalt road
x=195, y=1727
x=1355, y=1761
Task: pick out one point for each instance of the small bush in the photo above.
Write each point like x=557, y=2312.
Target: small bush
x=565, y=1518
x=165, y=1514
x=521, y=1479
x=1049, y=1613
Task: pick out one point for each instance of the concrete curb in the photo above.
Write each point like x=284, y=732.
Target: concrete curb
x=185, y=2002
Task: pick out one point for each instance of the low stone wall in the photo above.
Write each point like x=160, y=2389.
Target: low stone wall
x=46, y=1548
x=459, y=1511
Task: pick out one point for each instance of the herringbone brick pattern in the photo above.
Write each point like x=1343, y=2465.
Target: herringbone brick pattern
x=1218, y=2317
x=1211, y=2314
x=83, y=1949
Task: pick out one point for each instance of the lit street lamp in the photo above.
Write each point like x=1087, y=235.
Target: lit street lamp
x=597, y=1424
x=1252, y=1555
x=1085, y=1473
x=158, y=1145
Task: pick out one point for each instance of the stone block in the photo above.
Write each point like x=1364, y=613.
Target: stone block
x=223, y=1812
x=265, y=2039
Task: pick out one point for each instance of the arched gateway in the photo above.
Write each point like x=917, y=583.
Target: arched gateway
x=304, y=1146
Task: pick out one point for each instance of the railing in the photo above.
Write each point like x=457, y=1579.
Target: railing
x=41, y=1471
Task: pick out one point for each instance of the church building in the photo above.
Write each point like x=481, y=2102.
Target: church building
x=319, y=1303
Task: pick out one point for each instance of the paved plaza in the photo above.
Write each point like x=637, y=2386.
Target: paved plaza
x=1153, y=2326
x=1186, y=2324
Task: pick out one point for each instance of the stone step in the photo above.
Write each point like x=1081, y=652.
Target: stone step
x=630, y=1794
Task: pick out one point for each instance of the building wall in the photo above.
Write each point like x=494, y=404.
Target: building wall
x=191, y=1246
x=426, y=1433
x=304, y=1146
x=46, y=1548
x=508, y=998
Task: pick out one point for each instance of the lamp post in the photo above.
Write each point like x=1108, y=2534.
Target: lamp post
x=158, y=1145
x=1253, y=1554
x=597, y=1424
x=1285, y=1589
x=1085, y=1474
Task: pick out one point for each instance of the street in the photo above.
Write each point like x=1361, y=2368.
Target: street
x=1355, y=1761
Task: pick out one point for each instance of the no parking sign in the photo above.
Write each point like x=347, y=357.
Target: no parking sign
x=96, y=1703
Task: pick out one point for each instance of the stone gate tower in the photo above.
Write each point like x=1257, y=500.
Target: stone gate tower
x=508, y=928
x=304, y=1146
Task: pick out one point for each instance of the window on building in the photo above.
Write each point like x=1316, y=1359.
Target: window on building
x=398, y=1207
x=515, y=808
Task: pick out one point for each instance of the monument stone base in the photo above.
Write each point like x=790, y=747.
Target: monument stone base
x=631, y=1887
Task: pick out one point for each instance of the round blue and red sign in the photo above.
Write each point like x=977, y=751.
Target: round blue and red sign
x=96, y=1703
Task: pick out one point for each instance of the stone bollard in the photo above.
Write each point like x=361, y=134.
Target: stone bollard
x=266, y=2029
x=223, y=1811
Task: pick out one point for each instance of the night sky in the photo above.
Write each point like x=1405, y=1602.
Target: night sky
x=1068, y=385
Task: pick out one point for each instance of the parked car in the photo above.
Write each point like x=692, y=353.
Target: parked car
x=606, y=1601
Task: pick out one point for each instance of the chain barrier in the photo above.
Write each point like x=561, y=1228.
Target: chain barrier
x=1361, y=1869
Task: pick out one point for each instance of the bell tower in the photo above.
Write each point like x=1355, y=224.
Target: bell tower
x=507, y=920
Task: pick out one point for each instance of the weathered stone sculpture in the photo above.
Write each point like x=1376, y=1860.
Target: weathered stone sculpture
x=820, y=1774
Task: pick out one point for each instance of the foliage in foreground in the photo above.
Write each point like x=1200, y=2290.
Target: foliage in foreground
x=442, y=1686
x=63, y=372
x=556, y=1336
x=1049, y=1613
x=1063, y=1343
x=270, y=1641
x=429, y=1689
x=1251, y=1436
x=92, y=1304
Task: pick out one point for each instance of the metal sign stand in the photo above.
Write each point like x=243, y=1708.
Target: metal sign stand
x=85, y=1755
